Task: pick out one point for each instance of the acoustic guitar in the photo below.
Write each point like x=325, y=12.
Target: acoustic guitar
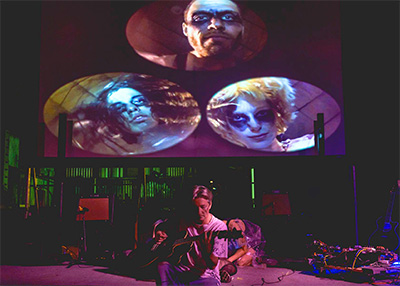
x=386, y=233
x=172, y=249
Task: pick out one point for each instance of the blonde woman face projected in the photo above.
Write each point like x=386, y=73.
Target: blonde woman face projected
x=252, y=122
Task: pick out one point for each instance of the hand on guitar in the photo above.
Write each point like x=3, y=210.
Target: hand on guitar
x=206, y=242
x=206, y=246
x=160, y=236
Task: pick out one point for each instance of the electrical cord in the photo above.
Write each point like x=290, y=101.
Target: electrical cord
x=358, y=253
x=280, y=278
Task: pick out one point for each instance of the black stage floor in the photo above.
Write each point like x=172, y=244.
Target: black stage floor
x=85, y=274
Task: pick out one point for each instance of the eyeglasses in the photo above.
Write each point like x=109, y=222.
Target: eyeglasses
x=240, y=120
x=137, y=101
x=202, y=17
x=140, y=101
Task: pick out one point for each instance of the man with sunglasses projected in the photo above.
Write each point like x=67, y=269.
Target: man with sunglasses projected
x=213, y=29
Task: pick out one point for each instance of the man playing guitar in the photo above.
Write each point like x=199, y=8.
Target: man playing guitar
x=200, y=265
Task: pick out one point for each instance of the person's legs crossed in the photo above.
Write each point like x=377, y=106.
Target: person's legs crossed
x=171, y=275
x=168, y=275
x=204, y=282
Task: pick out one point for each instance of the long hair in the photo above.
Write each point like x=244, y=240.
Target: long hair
x=169, y=103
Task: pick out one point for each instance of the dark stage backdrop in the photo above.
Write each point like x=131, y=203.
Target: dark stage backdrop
x=298, y=41
x=370, y=62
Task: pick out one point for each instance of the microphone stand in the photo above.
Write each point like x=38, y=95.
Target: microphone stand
x=84, y=235
x=82, y=212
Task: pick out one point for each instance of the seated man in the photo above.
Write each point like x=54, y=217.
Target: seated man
x=200, y=265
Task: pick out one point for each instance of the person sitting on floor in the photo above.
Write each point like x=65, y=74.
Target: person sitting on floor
x=199, y=264
x=144, y=258
x=247, y=250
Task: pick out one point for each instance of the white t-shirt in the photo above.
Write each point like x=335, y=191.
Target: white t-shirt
x=194, y=262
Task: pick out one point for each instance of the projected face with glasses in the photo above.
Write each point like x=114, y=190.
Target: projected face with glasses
x=253, y=123
x=124, y=114
x=253, y=113
x=213, y=28
x=134, y=109
x=197, y=35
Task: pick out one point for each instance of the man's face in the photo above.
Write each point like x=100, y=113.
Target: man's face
x=212, y=27
x=253, y=123
x=202, y=210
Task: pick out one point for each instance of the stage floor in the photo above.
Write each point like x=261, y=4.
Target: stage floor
x=84, y=274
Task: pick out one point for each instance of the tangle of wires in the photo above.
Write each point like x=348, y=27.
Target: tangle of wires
x=351, y=257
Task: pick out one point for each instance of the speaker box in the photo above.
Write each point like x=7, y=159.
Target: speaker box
x=96, y=209
x=276, y=204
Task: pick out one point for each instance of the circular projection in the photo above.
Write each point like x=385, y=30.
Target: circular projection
x=215, y=35
x=123, y=114
x=271, y=114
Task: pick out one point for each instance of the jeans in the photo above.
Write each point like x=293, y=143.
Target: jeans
x=171, y=275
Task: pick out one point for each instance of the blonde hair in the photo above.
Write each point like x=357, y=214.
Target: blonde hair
x=202, y=192
x=278, y=92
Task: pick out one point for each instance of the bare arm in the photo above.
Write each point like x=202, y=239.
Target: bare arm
x=239, y=253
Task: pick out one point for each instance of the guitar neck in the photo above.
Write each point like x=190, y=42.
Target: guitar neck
x=189, y=239
x=388, y=217
x=219, y=234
